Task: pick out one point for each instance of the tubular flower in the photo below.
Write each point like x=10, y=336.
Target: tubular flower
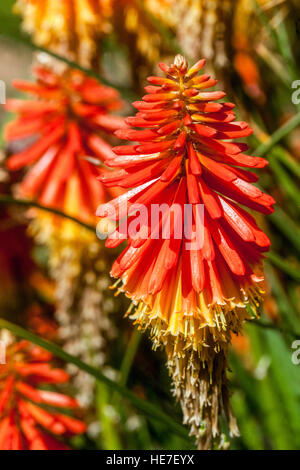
x=70, y=27
x=69, y=121
x=25, y=423
x=190, y=296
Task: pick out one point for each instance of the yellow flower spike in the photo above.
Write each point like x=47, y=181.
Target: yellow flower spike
x=69, y=27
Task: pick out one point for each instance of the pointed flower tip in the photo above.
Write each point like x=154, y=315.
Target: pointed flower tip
x=181, y=63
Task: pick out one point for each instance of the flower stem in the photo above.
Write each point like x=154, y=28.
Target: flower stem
x=129, y=357
x=109, y=437
x=5, y=199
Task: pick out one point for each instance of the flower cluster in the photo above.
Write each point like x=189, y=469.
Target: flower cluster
x=191, y=299
x=68, y=120
x=30, y=416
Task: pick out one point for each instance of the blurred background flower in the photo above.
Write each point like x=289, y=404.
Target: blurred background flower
x=70, y=28
x=25, y=421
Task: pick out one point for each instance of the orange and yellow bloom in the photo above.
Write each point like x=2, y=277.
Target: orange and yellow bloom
x=191, y=299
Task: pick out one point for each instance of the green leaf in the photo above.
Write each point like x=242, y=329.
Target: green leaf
x=278, y=135
x=286, y=226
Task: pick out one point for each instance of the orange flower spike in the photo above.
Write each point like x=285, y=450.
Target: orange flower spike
x=20, y=398
x=191, y=298
x=69, y=120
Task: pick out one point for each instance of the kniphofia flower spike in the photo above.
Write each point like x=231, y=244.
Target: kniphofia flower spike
x=68, y=120
x=190, y=299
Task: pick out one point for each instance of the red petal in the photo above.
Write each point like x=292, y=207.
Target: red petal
x=50, y=137
x=210, y=200
x=227, y=249
x=197, y=270
x=194, y=163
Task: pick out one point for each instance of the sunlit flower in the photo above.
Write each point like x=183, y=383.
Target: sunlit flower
x=70, y=27
x=190, y=297
x=32, y=417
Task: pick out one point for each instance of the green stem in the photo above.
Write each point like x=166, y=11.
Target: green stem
x=129, y=356
x=148, y=408
x=285, y=181
x=271, y=326
x=109, y=438
x=278, y=135
x=280, y=39
x=4, y=199
x=287, y=226
x=277, y=261
x=126, y=364
x=265, y=22
x=288, y=161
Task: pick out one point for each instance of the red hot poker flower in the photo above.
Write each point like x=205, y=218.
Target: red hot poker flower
x=190, y=298
x=68, y=119
x=24, y=422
